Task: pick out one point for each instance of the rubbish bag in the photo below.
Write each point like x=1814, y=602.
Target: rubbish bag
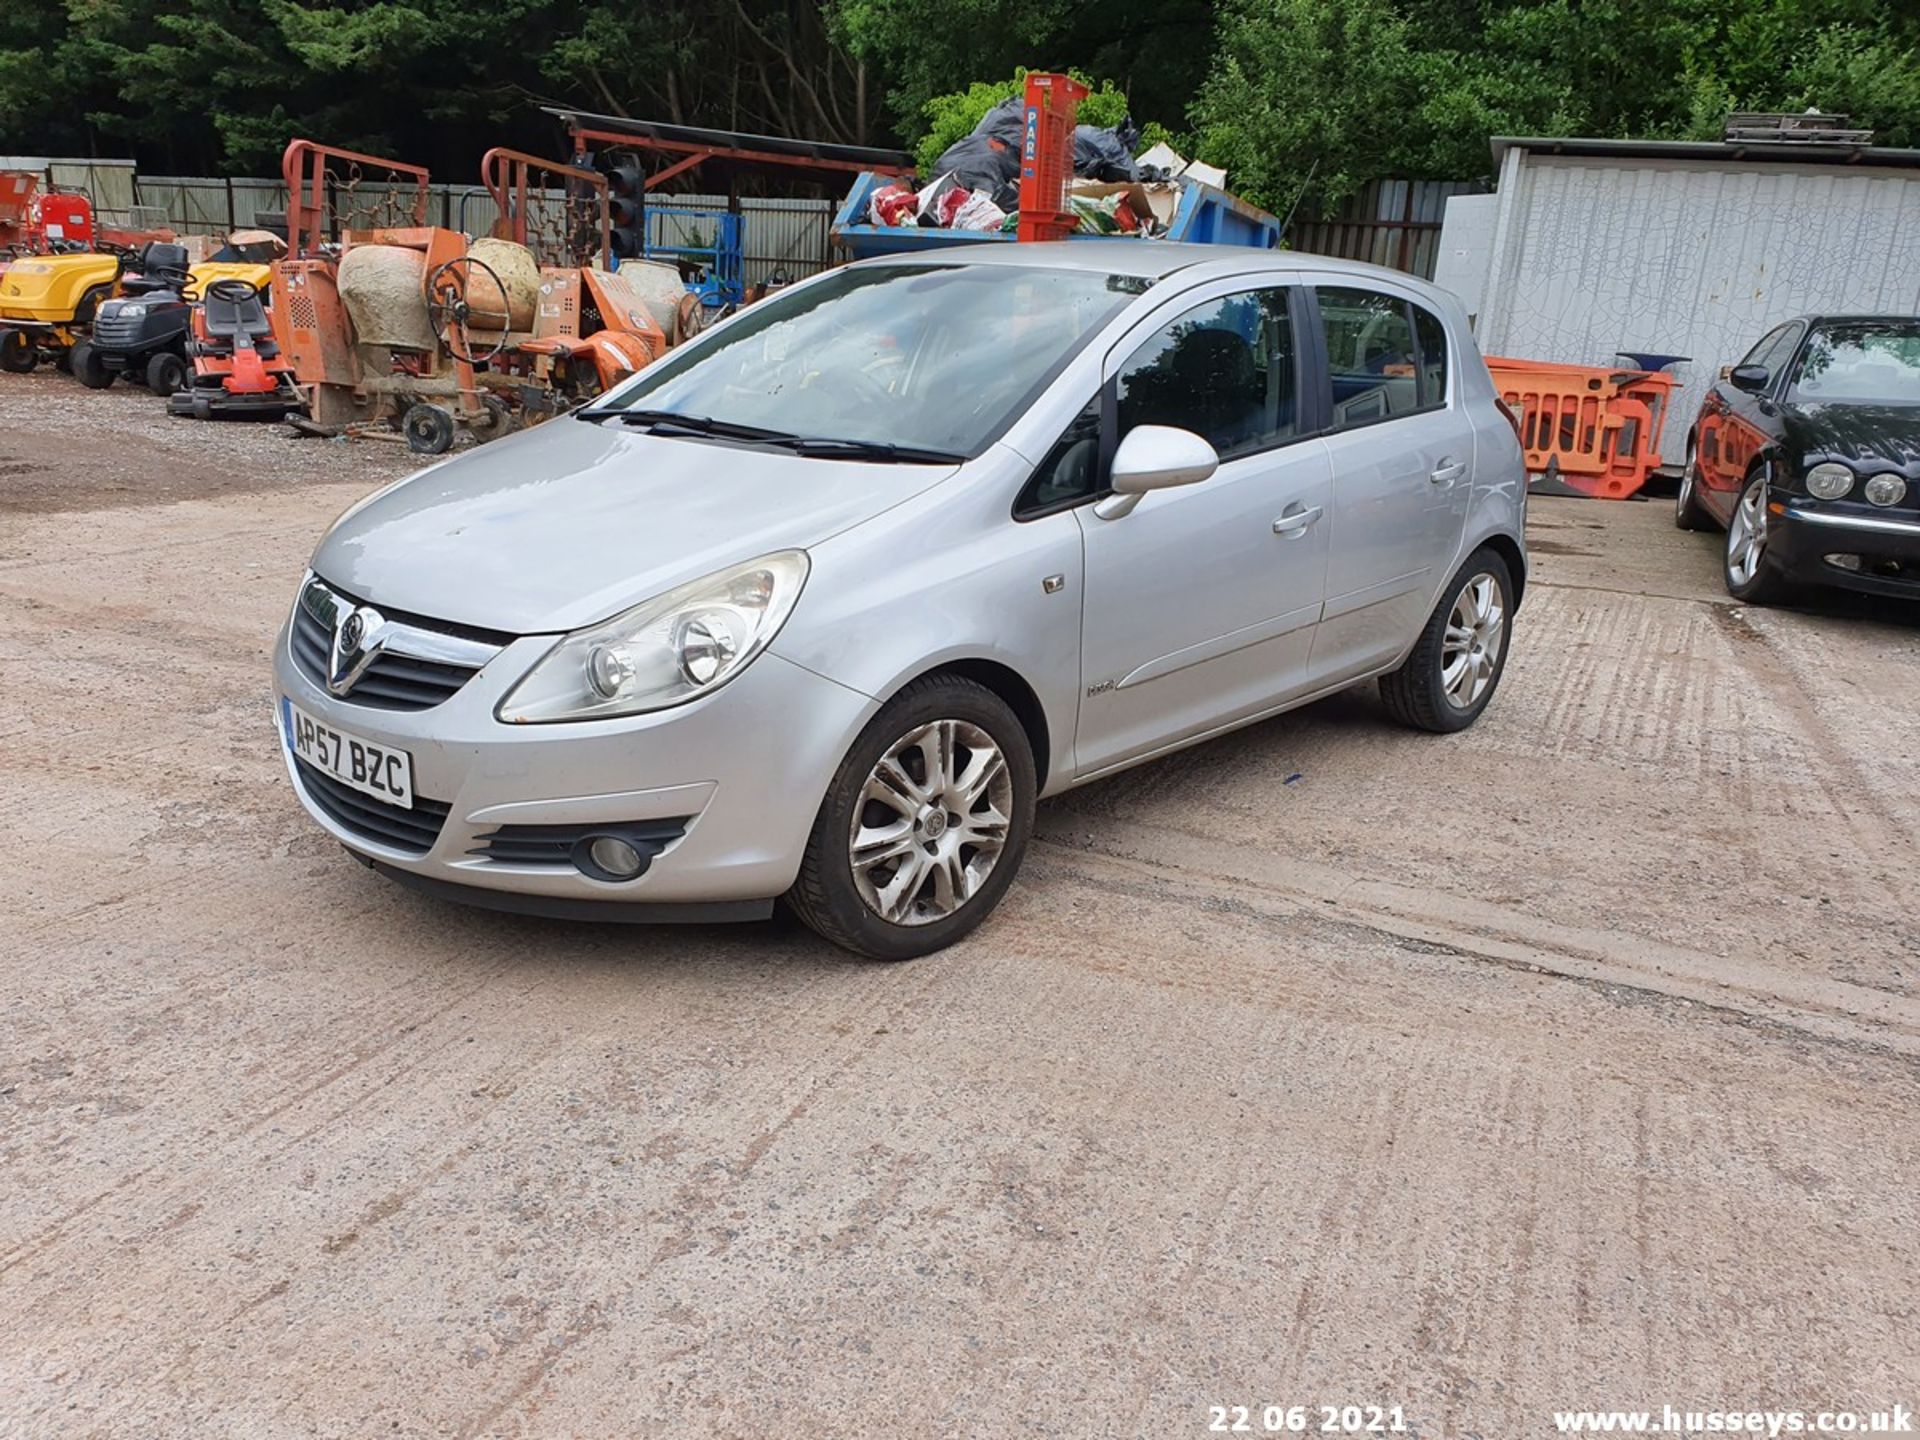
x=989, y=158
x=981, y=162
x=1106, y=154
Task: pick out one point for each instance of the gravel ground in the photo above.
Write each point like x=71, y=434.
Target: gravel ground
x=64, y=447
x=1570, y=1062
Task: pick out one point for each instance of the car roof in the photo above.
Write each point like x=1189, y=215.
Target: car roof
x=1149, y=259
x=1849, y=319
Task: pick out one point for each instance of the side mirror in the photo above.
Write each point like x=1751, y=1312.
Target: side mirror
x=1750, y=377
x=1155, y=457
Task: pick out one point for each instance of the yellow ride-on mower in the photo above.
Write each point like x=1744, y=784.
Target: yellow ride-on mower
x=47, y=304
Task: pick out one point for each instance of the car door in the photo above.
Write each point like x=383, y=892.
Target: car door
x=1200, y=603
x=1402, y=449
x=1735, y=423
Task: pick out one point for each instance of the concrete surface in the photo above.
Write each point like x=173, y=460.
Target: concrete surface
x=1572, y=1062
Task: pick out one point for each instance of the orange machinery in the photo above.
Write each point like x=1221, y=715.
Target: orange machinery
x=473, y=369
x=1588, y=430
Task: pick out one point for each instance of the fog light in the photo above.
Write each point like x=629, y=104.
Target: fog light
x=1844, y=562
x=1886, y=489
x=608, y=857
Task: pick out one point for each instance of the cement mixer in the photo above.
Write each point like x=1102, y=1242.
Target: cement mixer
x=416, y=332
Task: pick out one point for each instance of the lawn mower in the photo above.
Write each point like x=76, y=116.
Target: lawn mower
x=238, y=370
x=142, y=333
x=47, y=303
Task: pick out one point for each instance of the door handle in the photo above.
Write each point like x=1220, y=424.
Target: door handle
x=1295, y=522
x=1449, y=471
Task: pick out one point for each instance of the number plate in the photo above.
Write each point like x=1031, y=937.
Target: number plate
x=377, y=770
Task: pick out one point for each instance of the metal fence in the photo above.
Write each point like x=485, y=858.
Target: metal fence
x=779, y=235
x=1395, y=223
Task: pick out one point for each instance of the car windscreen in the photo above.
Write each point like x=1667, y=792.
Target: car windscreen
x=937, y=357
x=1860, y=362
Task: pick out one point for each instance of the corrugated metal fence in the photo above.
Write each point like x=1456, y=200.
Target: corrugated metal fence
x=788, y=235
x=1395, y=223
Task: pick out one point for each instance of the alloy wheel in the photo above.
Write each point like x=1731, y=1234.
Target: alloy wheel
x=1471, y=647
x=931, y=823
x=1747, y=534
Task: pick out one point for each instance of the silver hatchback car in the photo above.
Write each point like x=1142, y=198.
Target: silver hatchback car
x=819, y=605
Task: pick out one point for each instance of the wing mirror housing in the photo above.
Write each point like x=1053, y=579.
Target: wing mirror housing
x=1750, y=377
x=1154, y=457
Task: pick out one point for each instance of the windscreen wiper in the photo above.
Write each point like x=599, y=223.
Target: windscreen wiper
x=669, y=420
x=825, y=448
x=813, y=446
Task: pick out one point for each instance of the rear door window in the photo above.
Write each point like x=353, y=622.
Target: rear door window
x=1371, y=355
x=1432, y=336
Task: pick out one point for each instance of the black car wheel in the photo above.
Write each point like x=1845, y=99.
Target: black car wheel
x=924, y=825
x=1455, y=666
x=88, y=368
x=1687, y=511
x=1751, y=574
x=166, y=373
x=18, y=353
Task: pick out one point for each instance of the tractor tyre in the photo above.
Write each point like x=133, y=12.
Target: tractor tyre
x=18, y=353
x=428, y=428
x=88, y=368
x=167, y=373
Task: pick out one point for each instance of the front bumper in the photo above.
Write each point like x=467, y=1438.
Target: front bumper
x=747, y=765
x=1801, y=536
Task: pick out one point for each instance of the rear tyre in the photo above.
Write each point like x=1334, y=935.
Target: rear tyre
x=88, y=368
x=18, y=354
x=428, y=428
x=1456, y=664
x=1749, y=569
x=924, y=825
x=166, y=373
x=1687, y=511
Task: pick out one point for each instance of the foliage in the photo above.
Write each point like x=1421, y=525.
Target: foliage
x=1274, y=90
x=1352, y=90
x=951, y=116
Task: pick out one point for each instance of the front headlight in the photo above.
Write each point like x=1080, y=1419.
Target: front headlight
x=1829, y=481
x=1886, y=489
x=670, y=650
x=131, y=311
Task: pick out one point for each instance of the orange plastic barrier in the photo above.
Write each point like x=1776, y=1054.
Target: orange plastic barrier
x=1594, y=431
x=1046, y=156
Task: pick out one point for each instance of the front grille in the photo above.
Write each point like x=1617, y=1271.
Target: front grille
x=392, y=682
x=374, y=820
x=552, y=845
x=116, y=332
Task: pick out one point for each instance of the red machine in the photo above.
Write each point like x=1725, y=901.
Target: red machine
x=33, y=222
x=238, y=371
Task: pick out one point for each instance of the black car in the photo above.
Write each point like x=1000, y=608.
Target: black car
x=1808, y=452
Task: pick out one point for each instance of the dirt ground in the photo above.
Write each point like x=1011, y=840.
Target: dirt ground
x=1572, y=1062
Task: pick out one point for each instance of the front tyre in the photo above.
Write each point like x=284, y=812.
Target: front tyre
x=1749, y=570
x=924, y=825
x=1456, y=664
x=88, y=368
x=18, y=354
